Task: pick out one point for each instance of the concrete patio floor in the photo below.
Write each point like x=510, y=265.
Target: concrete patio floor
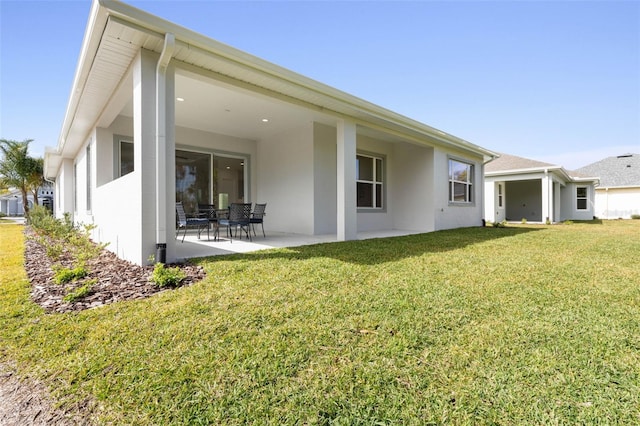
x=194, y=247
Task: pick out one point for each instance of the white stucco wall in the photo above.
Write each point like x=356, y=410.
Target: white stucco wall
x=285, y=180
x=82, y=214
x=569, y=208
x=64, y=189
x=412, y=187
x=371, y=219
x=451, y=215
x=614, y=203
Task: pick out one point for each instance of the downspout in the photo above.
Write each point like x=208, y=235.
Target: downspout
x=161, y=147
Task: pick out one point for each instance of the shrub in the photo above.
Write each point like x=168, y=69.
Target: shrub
x=64, y=275
x=524, y=220
x=80, y=292
x=44, y=223
x=500, y=224
x=167, y=277
x=635, y=216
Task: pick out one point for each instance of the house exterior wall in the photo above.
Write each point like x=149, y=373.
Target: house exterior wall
x=12, y=207
x=493, y=212
x=372, y=219
x=82, y=213
x=569, y=209
x=412, y=187
x=64, y=189
x=285, y=180
x=124, y=212
x=615, y=203
x=451, y=215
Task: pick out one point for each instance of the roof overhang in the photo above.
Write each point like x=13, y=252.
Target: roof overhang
x=116, y=32
x=560, y=171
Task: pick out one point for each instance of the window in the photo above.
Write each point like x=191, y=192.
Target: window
x=499, y=195
x=126, y=157
x=88, y=160
x=581, y=197
x=460, y=182
x=369, y=181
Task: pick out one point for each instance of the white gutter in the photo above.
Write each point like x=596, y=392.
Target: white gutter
x=161, y=146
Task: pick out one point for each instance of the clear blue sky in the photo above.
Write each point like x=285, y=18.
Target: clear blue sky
x=557, y=81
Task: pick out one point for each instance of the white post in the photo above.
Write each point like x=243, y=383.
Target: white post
x=347, y=219
x=547, y=198
x=161, y=147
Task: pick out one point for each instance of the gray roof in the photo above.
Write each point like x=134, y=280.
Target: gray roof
x=623, y=170
x=512, y=162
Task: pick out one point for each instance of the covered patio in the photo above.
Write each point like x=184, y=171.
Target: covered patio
x=194, y=247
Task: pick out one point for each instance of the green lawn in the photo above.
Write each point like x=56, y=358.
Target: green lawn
x=517, y=325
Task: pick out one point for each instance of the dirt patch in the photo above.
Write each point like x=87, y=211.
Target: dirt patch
x=25, y=402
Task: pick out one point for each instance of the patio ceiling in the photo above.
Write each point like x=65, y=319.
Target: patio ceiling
x=214, y=107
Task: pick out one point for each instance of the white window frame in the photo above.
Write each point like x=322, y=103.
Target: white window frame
x=469, y=199
x=374, y=182
x=500, y=196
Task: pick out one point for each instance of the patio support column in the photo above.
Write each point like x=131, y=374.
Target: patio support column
x=161, y=145
x=547, y=197
x=347, y=220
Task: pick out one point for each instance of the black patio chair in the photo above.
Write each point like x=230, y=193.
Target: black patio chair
x=239, y=216
x=183, y=222
x=258, y=217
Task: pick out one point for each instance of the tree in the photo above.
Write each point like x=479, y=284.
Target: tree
x=19, y=170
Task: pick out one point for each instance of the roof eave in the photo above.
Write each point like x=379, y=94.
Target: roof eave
x=101, y=10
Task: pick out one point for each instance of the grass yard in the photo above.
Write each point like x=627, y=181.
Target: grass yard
x=518, y=325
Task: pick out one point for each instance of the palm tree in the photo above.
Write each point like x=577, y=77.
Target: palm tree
x=19, y=170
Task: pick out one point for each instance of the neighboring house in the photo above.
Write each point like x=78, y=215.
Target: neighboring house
x=618, y=195
x=11, y=202
x=518, y=188
x=159, y=114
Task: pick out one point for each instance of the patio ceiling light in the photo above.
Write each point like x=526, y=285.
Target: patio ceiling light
x=180, y=99
x=265, y=120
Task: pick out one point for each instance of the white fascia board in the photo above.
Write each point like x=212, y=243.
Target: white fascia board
x=619, y=187
x=183, y=35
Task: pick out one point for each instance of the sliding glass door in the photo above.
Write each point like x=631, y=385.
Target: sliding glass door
x=205, y=178
x=193, y=177
x=228, y=181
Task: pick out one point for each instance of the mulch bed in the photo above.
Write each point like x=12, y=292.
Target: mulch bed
x=116, y=279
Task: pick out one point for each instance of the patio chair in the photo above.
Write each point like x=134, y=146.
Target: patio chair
x=183, y=222
x=258, y=217
x=239, y=216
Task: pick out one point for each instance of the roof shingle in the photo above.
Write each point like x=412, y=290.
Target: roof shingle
x=623, y=170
